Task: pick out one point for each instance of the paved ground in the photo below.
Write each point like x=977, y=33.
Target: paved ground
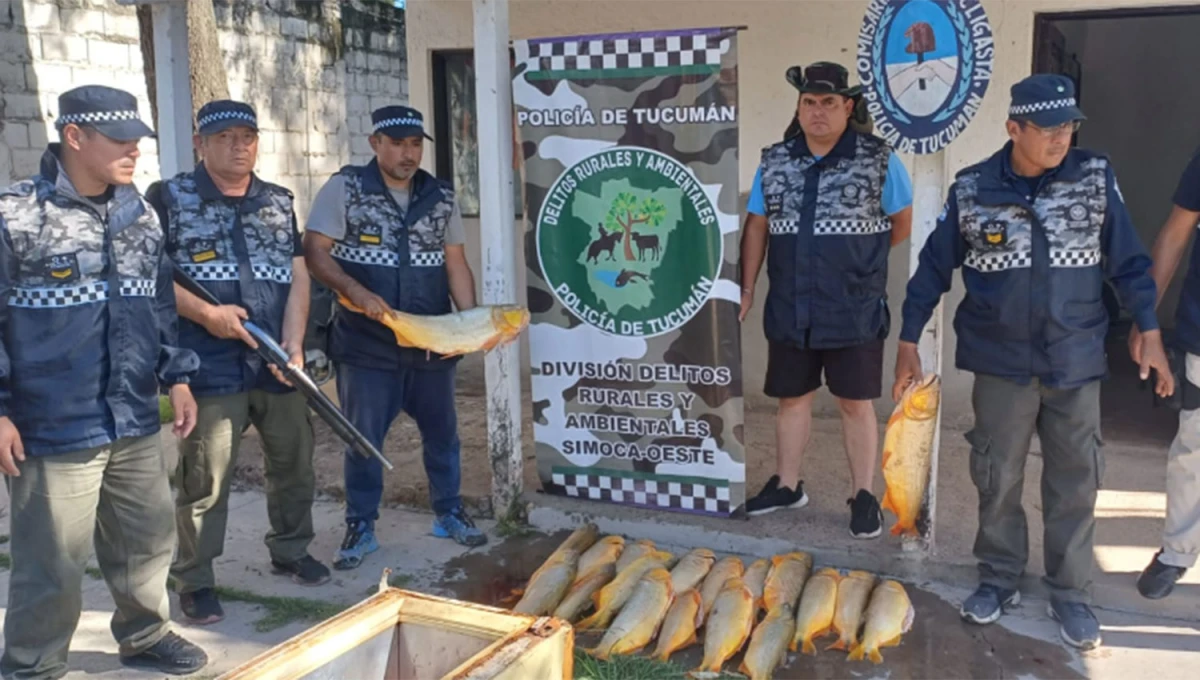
x=939, y=646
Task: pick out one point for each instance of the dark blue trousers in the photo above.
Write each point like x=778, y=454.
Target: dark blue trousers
x=371, y=400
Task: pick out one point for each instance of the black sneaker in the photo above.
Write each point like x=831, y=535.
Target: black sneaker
x=172, y=655
x=1158, y=579
x=201, y=607
x=306, y=571
x=774, y=497
x=866, y=518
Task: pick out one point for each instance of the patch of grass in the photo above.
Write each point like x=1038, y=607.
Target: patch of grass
x=166, y=414
x=515, y=521
x=5, y=561
x=94, y=573
x=629, y=667
x=280, y=611
x=399, y=580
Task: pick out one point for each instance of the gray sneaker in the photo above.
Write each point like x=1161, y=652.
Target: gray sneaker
x=1077, y=624
x=987, y=603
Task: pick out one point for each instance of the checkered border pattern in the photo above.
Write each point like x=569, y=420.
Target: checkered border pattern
x=378, y=258
x=215, y=271
x=663, y=494
x=1026, y=109
x=995, y=262
x=393, y=122
x=227, y=115
x=851, y=227
x=66, y=296
x=1074, y=258
x=265, y=272
x=97, y=117
x=623, y=53
x=782, y=227
x=139, y=288
x=433, y=259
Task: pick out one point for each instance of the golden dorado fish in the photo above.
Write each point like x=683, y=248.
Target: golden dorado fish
x=908, y=452
x=604, y=551
x=889, y=616
x=679, y=627
x=634, y=551
x=756, y=580
x=613, y=596
x=786, y=580
x=728, y=625
x=579, y=597
x=473, y=330
x=769, y=643
x=691, y=569
x=580, y=540
x=639, y=619
x=853, y=592
x=814, y=616
x=727, y=568
x=548, y=586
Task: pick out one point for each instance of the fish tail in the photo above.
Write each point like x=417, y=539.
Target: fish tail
x=597, y=620
x=809, y=647
x=856, y=654
x=887, y=503
x=876, y=657
x=838, y=644
x=905, y=528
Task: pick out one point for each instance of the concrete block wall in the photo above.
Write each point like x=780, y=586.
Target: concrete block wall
x=313, y=69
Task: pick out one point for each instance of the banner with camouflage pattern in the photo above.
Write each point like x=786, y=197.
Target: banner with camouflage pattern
x=631, y=187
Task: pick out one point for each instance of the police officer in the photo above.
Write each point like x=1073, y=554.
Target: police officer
x=1037, y=228
x=1181, y=531
x=831, y=202
x=87, y=317
x=388, y=235
x=236, y=235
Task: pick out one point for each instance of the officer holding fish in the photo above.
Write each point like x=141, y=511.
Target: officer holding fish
x=87, y=340
x=388, y=236
x=236, y=234
x=831, y=203
x=1037, y=227
x=1181, y=530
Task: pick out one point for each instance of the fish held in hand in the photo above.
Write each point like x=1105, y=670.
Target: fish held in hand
x=640, y=618
x=889, y=616
x=769, y=643
x=814, y=616
x=478, y=329
x=547, y=588
x=580, y=595
x=692, y=569
x=786, y=580
x=853, y=593
x=908, y=453
x=679, y=627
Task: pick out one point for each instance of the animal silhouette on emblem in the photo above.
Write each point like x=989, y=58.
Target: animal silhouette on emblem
x=606, y=241
x=646, y=242
x=626, y=276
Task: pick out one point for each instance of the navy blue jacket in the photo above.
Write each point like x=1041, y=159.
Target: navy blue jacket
x=86, y=345
x=398, y=256
x=1034, y=267
x=241, y=250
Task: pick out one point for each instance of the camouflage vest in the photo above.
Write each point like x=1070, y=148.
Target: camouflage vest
x=829, y=242
x=999, y=232
x=241, y=250
x=400, y=257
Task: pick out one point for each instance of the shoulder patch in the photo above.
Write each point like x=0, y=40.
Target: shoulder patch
x=21, y=189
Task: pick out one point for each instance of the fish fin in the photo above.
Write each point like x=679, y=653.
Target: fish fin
x=809, y=647
x=856, y=654
x=838, y=644
x=743, y=669
x=691, y=640
x=887, y=503
x=894, y=642
x=876, y=657
x=591, y=621
x=904, y=528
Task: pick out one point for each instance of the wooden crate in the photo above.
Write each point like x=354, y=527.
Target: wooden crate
x=402, y=635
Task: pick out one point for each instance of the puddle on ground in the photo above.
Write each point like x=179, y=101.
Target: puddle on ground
x=940, y=644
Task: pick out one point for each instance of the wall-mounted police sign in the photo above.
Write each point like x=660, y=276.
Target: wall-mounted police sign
x=924, y=66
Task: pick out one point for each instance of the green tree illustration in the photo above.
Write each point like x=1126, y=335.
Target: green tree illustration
x=626, y=212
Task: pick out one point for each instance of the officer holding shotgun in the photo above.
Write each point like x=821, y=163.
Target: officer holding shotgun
x=236, y=235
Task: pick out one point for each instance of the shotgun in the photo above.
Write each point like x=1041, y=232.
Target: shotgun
x=270, y=351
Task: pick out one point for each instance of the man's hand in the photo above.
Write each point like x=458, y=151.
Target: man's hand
x=295, y=352
x=372, y=305
x=184, y=406
x=12, y=451
x=226, y=322
x=1135, y=345
x=1154, y=356
x=908, y=368
x=747, y=303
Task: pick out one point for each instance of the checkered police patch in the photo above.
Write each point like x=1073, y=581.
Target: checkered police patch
x=851, y=227
x=783, y=227
x=651, y=51
x=216, y=271
x=1066, y=257
x=227, y=115
x=264, y=272
x=139, y=288
x=431, y=259
x=664, y=492
x=66, y=296
x=367, y=256
x=96, y=117
x=995, y=262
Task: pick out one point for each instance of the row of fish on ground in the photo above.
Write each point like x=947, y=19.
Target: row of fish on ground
x=639, y=593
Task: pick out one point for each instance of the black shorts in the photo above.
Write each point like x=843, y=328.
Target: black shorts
x=851, y=372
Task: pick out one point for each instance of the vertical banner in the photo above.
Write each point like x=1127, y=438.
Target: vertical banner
x=630, y=145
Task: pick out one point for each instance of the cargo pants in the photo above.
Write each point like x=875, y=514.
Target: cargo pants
x=1068, y=424
x=116, y=497
x=207, y=459
x=1181, y=531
